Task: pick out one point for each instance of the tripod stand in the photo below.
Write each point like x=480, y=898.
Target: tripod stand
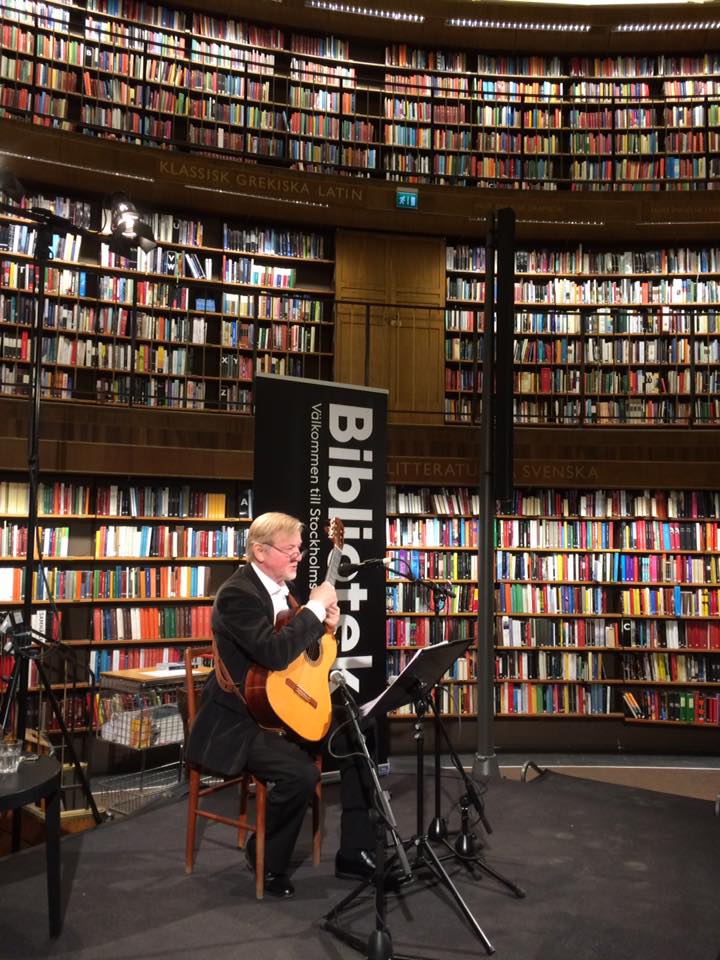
x=411, y=686
x=437, y=829
x=464, y=845
x=379, y=944
x=29, y=645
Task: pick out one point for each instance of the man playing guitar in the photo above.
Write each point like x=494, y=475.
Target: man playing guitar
x=227, y=739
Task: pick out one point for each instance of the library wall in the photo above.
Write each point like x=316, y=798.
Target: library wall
x=610, y=160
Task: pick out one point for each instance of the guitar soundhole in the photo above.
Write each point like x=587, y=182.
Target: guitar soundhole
x=313, y=650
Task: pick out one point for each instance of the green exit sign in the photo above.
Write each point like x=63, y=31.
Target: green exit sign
x=406, y=198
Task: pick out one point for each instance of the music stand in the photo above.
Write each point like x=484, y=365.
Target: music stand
x=422, y=672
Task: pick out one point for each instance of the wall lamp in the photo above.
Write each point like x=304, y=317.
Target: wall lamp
x=127, y=227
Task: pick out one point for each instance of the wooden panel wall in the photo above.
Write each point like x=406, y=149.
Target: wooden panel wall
x=402, y=278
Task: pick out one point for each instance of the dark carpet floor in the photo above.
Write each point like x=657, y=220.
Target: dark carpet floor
x=610, y=872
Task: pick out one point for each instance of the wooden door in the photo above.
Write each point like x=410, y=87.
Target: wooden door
x=391, y=289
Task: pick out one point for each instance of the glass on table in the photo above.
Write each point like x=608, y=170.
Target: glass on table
x=10, y=753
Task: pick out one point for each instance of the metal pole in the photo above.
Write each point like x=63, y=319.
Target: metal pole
x=44, y=240
x=496, y=442
x=485, y=761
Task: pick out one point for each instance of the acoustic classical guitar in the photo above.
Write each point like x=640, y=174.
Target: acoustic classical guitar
x=298, y=697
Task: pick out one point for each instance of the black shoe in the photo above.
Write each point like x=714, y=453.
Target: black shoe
x=276, y=884
x=360, y=865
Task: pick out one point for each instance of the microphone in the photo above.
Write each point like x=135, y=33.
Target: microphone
x=444, y=588
x=345, y=566
x=337, y=677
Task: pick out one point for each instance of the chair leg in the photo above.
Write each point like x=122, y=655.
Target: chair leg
x=193, y=797
x=260, y=805
x=316, y=808
x=242, y=825
x=316, y=811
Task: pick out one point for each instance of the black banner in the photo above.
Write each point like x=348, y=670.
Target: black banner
x=320, y=452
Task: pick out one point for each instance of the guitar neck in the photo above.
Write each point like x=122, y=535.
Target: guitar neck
x=333, y=565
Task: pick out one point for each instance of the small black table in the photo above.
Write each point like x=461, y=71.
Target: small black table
x=38, y=780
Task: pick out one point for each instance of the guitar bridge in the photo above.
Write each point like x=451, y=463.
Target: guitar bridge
x=303, y=694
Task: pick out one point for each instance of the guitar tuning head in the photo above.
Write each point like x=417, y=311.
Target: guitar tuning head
x=336, y=532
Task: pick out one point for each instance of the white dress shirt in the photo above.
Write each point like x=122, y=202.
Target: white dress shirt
x=279, y=594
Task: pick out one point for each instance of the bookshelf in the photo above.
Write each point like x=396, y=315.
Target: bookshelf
x=605, y=600
x=126, y=571
x=602, y=335
x=185, y=326
x=167, y=77
x=433, y=535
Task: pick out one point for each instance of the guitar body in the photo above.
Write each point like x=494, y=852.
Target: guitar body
x=298, y=697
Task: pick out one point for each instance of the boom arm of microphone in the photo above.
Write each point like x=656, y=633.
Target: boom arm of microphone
x=444, y=588
x=345, y=567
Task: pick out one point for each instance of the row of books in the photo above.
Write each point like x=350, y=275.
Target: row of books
x=75, y=708
x=113, y=500
x=656, y=535
x=683, y=706
x=80, y=499
x=247, y=270
x=119, y=289
x=549, y=665
x=132, y=658
x=533, y=632
x=526, y=630
x=616, y=503
x=170, y=542
x=415, y=632
x=432, y=532
x=516, y=698
x=433, y=565
x=666, y=667
x=462, y=669
x=433, y=500
x=607, y=567
x=674, y=601
x=671, y=634
x=150, y=623
x=646, y=601
x=666, y=349
x=171, y=22
x=456, y=700
x=596, y=292
x=116, y=583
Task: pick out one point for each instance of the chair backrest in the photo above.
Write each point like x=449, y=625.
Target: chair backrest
x=192, y=653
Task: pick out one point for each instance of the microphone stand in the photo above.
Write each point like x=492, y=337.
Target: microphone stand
x=379, y=944
x=437, y=828
x=46, y=222
x=464, y=847
x=465, y=843
x=412, y=685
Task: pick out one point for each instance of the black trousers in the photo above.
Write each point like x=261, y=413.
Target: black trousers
x=289, y=767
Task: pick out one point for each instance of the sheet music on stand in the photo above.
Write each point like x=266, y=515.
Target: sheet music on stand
x=417, y=678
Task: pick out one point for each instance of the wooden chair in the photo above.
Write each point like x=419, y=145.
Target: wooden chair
x=243, y=823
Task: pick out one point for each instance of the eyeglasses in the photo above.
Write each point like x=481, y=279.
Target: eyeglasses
x=293, y=554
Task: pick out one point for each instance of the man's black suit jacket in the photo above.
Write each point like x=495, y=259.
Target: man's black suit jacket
x=243, y=626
